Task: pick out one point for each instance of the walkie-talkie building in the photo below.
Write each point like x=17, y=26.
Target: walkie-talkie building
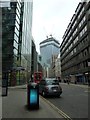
x=49, y=48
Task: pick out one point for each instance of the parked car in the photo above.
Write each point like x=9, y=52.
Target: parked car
x=50, y=86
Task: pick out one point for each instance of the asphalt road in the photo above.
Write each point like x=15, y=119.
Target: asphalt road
x=73, y=101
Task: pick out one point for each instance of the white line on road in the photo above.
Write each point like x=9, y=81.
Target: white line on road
x=57, y=109
x=87, y=91
x=83, y=86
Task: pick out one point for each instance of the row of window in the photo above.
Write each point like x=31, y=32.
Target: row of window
x=77, y=67
x=81, y=12
x=80, y=24
x=17, y=30
x=81, y=55
x=76, y=39
x=77, y=10
x=82, y=65
x=71, y=45
x=26, y=37
x=23, y=61
x=83, y=31
x=74, y=32
x=82, y=21
x=78, y=47
x=73, y=24
x=26, y=48
x=16, y=34
x=15, y=51
x=19, y=6
x=82, y=43
x=15, y=44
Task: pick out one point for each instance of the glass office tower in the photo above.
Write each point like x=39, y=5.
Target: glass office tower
x=16, y=41
x=49, y=47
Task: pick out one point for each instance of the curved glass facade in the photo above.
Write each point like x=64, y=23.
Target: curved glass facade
x=47, y=49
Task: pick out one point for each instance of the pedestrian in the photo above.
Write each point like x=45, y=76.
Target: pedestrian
x=75, y=82
x=68, y=82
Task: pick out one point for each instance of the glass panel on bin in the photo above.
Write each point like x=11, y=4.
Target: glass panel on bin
x=33, y=96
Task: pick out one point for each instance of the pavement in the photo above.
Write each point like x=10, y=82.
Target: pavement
x=15, y=106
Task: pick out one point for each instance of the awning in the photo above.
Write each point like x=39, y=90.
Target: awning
x=18, y=68
x=79, y=75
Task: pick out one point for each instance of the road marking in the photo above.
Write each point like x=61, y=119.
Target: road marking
x=83, y=86
x=87, y=91
x=57, y=109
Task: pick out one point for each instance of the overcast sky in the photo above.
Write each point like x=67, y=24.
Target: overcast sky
x=51, y=17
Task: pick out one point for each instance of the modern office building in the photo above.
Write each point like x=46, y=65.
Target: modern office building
x=58, y=67
x=33, y=58
x=75, y=47
x=16, y=41
x=39, y=63
x=52, y=67
x=48, y=47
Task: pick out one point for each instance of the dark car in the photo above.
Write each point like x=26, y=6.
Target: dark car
x=50, y=86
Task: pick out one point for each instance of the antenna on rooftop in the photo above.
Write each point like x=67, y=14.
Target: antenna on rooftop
x=47, y=37
x=51, y=35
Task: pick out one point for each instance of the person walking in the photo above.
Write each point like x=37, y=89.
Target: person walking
x=68, y=81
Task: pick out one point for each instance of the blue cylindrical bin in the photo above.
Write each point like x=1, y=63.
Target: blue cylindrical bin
x=33, y=96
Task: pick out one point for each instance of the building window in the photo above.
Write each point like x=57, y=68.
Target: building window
x=15, y=51
x=89, y=50
x=83, y=31
x=74, y=50
x=85, y=52
x=85, y=64
x=16, y=31
x=89, y=11
x=75, y=40
x=71, y=53
x=80, y=13
x=82, y=21
x=74, y=32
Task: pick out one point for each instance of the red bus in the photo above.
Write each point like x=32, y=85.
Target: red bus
x=37, y=77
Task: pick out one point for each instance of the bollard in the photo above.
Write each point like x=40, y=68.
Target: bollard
x=33, y=96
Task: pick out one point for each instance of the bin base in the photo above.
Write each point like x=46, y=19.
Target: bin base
x=32, y=107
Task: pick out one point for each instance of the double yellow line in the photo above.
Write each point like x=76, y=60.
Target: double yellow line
x=57, y=109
